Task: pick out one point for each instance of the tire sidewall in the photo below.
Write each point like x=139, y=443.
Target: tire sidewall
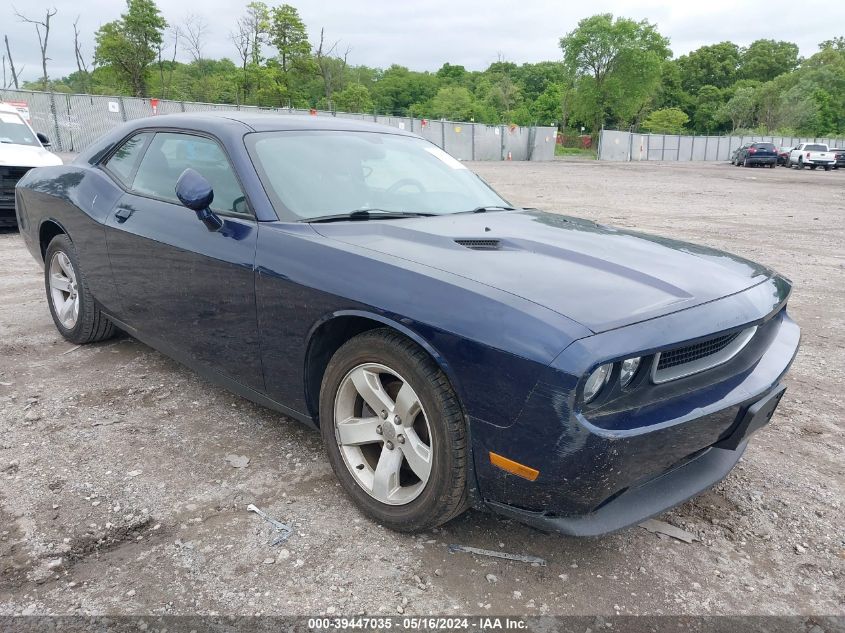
x=61, y=243
x=415, y=514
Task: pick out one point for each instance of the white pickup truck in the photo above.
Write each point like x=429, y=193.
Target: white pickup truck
x=811, y=155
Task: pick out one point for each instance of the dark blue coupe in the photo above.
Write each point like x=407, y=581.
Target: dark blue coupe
x=453, y=351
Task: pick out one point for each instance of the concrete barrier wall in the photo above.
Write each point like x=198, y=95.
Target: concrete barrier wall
x=618, y=145
x=73, y=122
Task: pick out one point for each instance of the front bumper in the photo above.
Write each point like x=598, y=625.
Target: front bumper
x=638, y=503
x=621, y=466
x=7, y=217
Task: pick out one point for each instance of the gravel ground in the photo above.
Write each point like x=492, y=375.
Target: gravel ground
x=116, y=494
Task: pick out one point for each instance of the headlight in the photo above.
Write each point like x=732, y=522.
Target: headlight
x=596, y=381
x=629, y=368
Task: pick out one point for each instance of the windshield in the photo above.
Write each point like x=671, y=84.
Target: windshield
x=313, y=174
x=14, y=130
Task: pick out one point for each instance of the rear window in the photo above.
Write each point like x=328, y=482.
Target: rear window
x=124, y=162
x=769, y=146
x=816, y=148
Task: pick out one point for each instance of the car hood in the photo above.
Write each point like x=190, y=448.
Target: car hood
x=597, y=275
x=13, y=155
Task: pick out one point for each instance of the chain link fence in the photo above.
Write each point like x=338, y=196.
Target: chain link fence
x=74, y=121
x=618, y=145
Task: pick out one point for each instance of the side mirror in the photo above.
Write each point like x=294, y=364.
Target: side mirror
x=42, y=138
x=196, y=193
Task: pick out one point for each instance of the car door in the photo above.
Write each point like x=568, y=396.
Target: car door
x=178, y=282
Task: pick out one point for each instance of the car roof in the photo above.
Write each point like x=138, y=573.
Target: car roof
x=230, y=125
x=265, y=122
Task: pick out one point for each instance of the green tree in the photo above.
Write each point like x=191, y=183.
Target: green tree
x=766, y=59
x=451, y=73
x=289, y=35
x=455, y=103
x=533, y=79
x=129, y=44
x=708, y=117
x=353, y=98
x=714, y=65
x=257, y=22
x=666, y=121
x=548, y=107
x=504, y=96
x=616, y=63
x=398, y=88
x=837, y=44
x=740, y=108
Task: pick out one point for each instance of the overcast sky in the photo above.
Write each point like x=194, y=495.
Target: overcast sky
x=423, y=34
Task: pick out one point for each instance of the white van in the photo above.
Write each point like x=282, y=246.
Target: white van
x=21, y=149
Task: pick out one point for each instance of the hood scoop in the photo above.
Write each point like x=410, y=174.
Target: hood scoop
x=479, y=244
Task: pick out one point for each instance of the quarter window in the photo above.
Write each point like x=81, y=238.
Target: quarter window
x=124, y=161
x=169, y=154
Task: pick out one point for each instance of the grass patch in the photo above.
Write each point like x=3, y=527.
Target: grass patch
x=574, y=151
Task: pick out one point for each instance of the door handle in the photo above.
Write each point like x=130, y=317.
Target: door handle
x=122, y=214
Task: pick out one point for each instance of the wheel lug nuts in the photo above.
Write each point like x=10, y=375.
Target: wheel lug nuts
x=384, y=415
x=389, y=445
x=401, y=439
x=378, y=429
x=397, y=420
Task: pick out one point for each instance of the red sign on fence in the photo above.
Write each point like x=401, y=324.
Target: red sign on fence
x=22, y=107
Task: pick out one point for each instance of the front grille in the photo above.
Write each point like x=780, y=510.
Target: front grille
x=701, y=356
x=690, y=353
x=9, y=177
x=479, y=245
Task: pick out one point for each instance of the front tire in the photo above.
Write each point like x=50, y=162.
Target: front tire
x=394, y=432
x=75, y=313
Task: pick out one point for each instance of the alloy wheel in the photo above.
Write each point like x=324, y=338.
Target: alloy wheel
x=383, y=434
x=64, y=292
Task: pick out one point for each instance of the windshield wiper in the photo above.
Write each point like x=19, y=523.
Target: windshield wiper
x=487, y=208
x=367, y=214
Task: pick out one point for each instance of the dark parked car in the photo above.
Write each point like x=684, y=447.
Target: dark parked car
x=453, y=351
x=736, y=153
x=840, y=158
x=754, y=154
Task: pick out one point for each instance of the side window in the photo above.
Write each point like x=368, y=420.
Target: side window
x=124, y=161
x=169, y=154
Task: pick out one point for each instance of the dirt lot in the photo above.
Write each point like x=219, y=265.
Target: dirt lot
x=116, y=495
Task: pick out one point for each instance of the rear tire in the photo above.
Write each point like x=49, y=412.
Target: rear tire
x=75, y=312
x=800, y=163
x=827, y=167
x=410, y=474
